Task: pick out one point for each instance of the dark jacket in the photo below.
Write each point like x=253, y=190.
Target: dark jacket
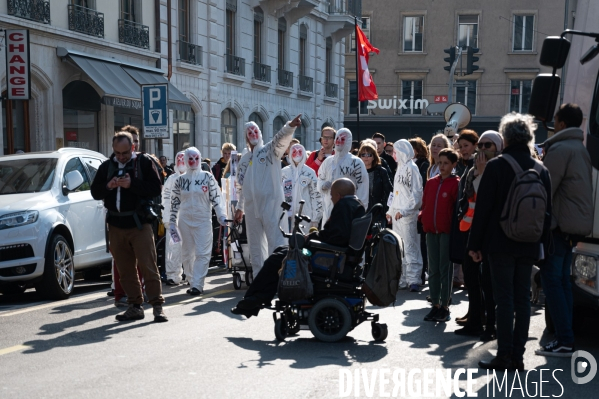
x=218, y=169
x=390, y=161
x=438, y=204
x=147, y=187
x=337, y=230
x=423, y=165
x=486, y=234
x=380, y=186
x=458, y=239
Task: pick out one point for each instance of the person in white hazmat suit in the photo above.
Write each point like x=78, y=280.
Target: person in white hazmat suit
x=193, y=195
x=403, y=212
x=173, y=250
x=299, y=183
x=259, y=191
x=342, y=164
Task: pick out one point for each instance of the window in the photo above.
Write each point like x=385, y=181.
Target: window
x=15, y=126
x=80, y=129
x=75, y=164
x=365, y=26
x=302, y=49
x=353, y=99
x=281, y=43
x=183, y=130
x=520, y=95
x=278, y=124
x=523, y=32
x=254, y=117
x=300, y=134
x=230, y=33
x=467, y=95
x=184, y=21
x=328, y=59
x=411, y=90
x=131, y=10
x=228, y=127
x=258, y=20
x=91, y=4
x=92, y=164
x=468, y=31
x=413, y=27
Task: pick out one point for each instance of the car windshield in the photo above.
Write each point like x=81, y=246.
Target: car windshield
x=32, y=175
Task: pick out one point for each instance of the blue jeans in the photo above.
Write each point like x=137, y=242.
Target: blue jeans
x=555, y=277
x=510, y=276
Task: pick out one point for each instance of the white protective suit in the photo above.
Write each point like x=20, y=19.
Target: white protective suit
x=407, y=200
x=259, y=191
x=192, y=197
x=342, y=164
x=172, y=249
x=299, y=183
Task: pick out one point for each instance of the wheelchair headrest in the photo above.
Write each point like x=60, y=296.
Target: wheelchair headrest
x=359, y=231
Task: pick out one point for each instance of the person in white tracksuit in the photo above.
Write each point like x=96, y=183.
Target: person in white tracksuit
x=299, y=183
x=193, y=195
x=342, y=164
x=259, y=191
x=403, y=211
x=173, y=250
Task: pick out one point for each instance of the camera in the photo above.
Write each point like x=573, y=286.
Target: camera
x=148, y=210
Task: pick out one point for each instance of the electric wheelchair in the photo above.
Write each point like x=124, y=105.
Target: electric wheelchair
x=338, y=304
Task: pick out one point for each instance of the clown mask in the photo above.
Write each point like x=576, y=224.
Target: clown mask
x=297, y=153
x=193, y=158
x=253, y=134
x=340, y=141
x=181, y=167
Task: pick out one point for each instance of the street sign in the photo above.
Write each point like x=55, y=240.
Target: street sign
x=440, y=99
x=154, y=100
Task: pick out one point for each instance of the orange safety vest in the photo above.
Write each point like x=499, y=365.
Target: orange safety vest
x=466, y=221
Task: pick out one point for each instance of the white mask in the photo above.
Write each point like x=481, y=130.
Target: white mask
x=193, y=158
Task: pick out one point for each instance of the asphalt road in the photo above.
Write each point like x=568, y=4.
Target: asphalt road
x=76, y=349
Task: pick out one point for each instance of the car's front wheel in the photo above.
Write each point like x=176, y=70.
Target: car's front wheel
x=59, y=270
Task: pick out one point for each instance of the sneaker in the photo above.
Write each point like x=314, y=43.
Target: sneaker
x=119, y=303
x=443, y=315
x=194, y=291
x=554, y=348
x=159, y=316
x=132, y=313
x=414, y=288
x=403, y=287
x=431, y=315
x=170, y=281
x=488, y=335
x=110, y=293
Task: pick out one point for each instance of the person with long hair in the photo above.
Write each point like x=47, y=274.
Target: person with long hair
x=379, y=183
x=438, y=142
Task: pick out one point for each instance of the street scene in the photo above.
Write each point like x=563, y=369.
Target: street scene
x=342, y=198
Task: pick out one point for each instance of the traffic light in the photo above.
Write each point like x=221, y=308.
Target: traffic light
x=471, y=59
x=451, y=58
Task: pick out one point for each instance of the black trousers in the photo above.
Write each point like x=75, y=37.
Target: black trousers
x=487, y=289
x=265, y=284
x=471, y=270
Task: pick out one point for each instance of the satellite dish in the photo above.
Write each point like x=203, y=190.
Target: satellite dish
x=457, y=117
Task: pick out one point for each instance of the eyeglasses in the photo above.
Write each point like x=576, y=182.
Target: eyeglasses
x=487, y=145
x=366, y=155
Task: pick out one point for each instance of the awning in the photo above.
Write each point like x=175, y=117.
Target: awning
x=121, y=81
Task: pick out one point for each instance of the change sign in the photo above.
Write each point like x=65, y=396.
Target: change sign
x=17, y=64
x=154, y=103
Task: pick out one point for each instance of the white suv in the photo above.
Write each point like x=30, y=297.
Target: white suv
x=50, y=226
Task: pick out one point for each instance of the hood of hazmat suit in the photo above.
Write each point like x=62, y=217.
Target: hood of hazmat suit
x=407, y=184
x=342, y=164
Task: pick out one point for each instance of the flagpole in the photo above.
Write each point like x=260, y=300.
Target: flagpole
x=357, y=80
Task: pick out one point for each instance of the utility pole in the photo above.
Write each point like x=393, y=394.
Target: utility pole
x=357, y=80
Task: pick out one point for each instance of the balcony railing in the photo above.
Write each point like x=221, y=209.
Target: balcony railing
x=35, y=10
x=86, y=20
x=262, y=72
x=330, y=90
x=346, y=7
x=285, y=78
x=234, y=65
x=134, y=34
x=306, y=83
x=190, y=53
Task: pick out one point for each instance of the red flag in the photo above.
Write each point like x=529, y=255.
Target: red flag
x=366, y=87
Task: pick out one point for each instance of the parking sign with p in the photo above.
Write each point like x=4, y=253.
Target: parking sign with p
x=154, y=103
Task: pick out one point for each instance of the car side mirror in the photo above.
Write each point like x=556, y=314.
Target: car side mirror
x=72, y=181
x=543, y=98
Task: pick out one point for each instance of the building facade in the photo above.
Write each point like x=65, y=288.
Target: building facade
x=226, y=62
x=409, y=71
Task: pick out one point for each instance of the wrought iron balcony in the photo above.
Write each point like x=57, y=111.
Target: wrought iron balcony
x=134, y=34
x=346, y=7
x=330, y=89
x=262, y=72
x=306, y=83
x=86, y=20
x=190, y=53
x=35, y=10
x=234, y=65
x=285, y=78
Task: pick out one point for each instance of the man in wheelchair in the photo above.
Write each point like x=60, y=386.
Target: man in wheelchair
x=336, y=231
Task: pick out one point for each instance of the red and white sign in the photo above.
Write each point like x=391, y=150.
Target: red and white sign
x=440, y=99
x=516, y=92
x=71, y=136
x=17, y=64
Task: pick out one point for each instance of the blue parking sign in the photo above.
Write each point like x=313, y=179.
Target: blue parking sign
x=154, y=100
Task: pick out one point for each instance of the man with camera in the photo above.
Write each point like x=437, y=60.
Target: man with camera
x=126, y=183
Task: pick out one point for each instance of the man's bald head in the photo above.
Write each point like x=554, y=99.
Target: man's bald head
x=342, y=187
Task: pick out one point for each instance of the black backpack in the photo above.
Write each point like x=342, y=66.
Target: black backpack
x=382, y=278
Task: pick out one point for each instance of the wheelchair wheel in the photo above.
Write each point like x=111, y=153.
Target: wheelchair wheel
x=280, y=329
x=330, y=320
x=249, y=278
x=237, y=281
x=379, y=331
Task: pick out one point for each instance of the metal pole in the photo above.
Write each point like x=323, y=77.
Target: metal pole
x=453, y=67
x=357, y=81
